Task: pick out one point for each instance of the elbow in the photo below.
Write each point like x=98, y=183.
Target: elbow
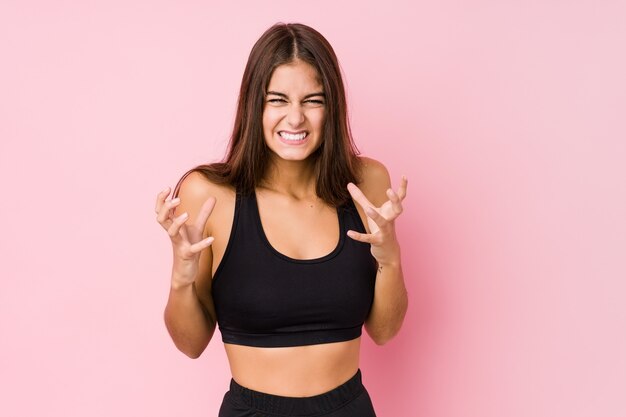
x=193, y=351
x=382, y=334
x=193, y=354
x=193, y=348
x=379, y=336
x=192, y=345
x=381, y=340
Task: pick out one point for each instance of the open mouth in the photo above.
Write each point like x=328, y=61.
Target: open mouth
x=293, y=137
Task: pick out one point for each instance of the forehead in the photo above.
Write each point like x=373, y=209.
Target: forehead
x=296, y=77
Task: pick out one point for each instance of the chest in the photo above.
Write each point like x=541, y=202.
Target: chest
x=299, y=230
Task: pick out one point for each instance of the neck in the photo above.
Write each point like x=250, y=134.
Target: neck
x=295, y=178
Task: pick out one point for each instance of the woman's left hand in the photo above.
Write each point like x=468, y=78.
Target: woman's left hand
x=382, y=236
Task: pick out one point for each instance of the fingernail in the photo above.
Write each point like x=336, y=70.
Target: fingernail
x=175, y=200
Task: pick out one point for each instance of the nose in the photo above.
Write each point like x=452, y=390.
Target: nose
x=295, y=116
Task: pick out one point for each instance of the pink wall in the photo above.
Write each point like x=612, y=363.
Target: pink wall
x=504, y=115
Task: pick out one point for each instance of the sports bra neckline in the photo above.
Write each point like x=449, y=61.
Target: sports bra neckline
x=266, y=242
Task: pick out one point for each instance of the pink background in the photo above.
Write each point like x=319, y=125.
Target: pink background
x=507, y=117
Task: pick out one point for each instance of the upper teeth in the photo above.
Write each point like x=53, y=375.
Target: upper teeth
x=290, y=136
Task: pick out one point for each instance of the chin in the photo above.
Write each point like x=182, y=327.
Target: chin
x=292, y=156
x=279, y=151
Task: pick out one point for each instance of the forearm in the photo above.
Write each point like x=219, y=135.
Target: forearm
x=188, y=325
x=390, y=303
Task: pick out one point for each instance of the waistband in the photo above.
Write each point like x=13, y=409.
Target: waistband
x=299, y=406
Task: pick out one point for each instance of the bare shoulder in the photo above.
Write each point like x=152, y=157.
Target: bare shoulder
x=196, y=185
x=195, y=189
x=374, y=180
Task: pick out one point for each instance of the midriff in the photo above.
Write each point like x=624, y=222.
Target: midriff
x=298, y=371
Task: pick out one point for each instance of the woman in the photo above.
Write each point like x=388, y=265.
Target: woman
x=270, y=245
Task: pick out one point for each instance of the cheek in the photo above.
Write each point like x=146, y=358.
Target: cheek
x=271, y=117
x=317, y=119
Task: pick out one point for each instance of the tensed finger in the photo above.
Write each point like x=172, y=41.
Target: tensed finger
x=361, y=237
x=380, y=220
x=161, y=198
x=396, y=203
x=177, y=222
x=205, y=212
x=402, y=189
x=197, y=247
x=358, y=196
x=164, y=212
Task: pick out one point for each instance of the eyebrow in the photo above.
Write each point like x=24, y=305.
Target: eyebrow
x=285, y=95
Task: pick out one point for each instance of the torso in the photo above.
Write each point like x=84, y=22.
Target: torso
x=297, y=371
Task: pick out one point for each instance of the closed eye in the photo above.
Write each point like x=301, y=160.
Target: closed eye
x=281, y=101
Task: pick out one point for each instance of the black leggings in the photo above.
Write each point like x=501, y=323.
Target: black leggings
x=350, y=399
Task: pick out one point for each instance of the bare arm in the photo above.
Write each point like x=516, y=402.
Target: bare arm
x=390, y=304
x=382, y=206
x=190, y=314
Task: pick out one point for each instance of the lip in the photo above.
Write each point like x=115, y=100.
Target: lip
x=292, y=142
x=293, y=133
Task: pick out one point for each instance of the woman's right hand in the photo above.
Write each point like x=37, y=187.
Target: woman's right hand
x=187, y=241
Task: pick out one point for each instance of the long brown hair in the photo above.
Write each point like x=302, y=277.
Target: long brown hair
x=336, y=162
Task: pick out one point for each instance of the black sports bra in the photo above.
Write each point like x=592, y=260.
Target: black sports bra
x=266, y=299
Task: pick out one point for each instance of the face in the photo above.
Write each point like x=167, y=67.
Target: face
x=293, y=113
